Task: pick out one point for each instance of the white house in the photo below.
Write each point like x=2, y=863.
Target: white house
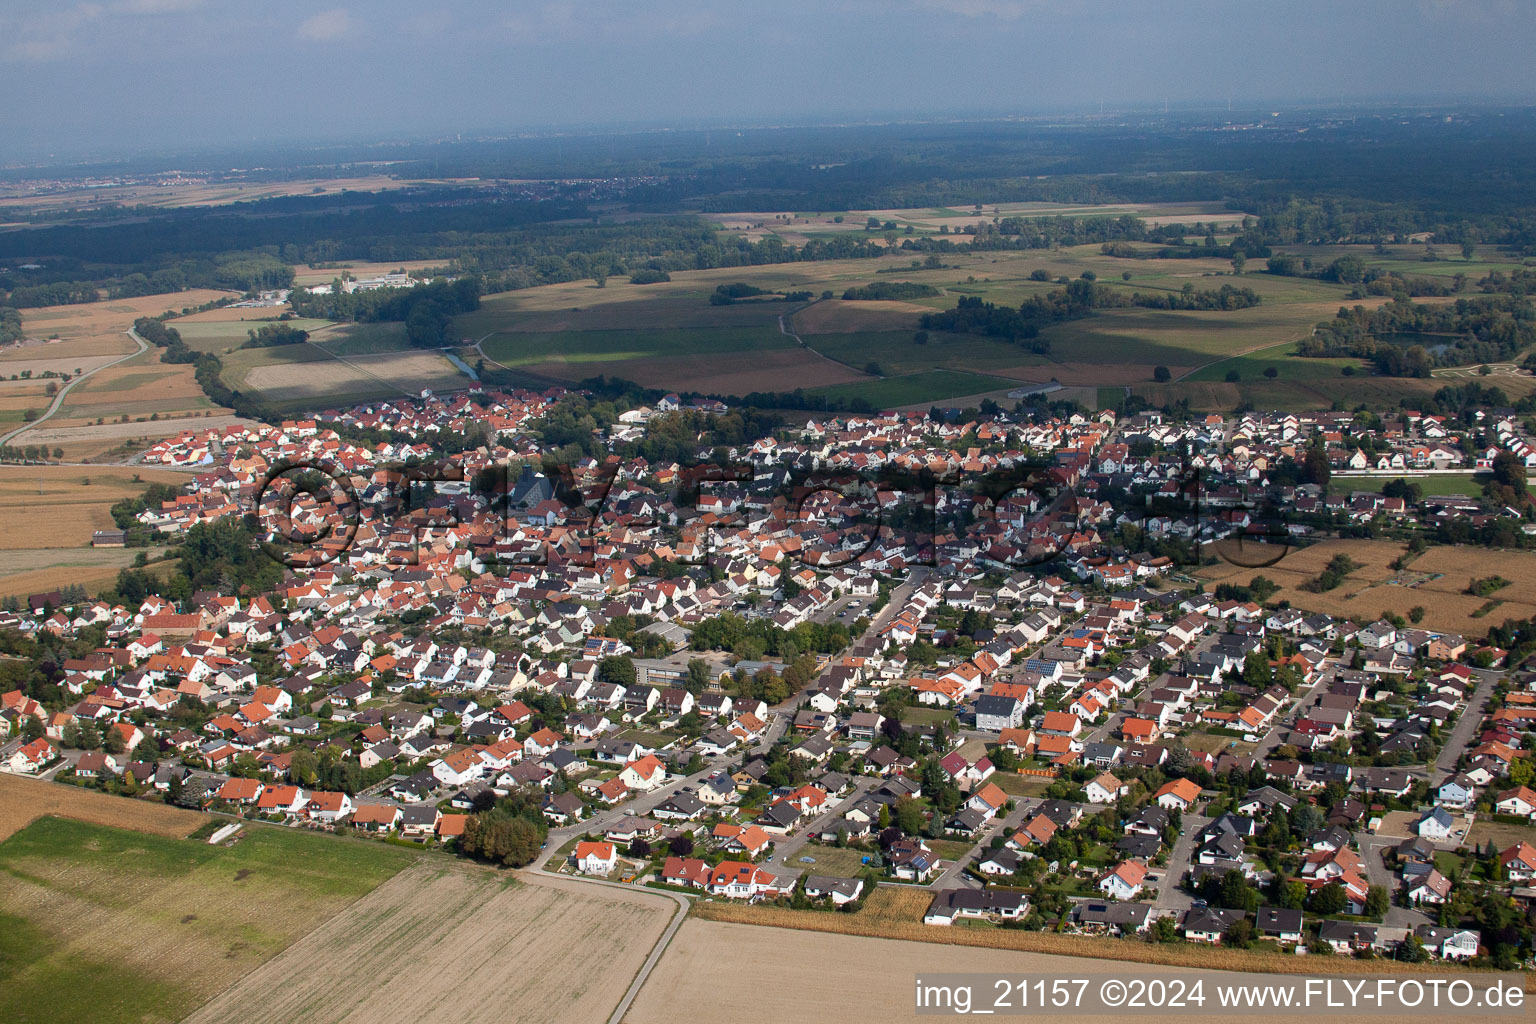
x=595, y=858
x=1124, y=880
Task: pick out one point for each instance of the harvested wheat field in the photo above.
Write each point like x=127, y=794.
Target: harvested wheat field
x=95, y=328
x=317, y=377
x=834, y=316
x=450, y=941
x=24, y=800
x=1436, y=581
x=855, y=979
x=38, y=570
x=141, y=387
x=60, y=506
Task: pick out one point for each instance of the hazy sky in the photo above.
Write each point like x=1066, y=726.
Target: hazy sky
x=117, y=75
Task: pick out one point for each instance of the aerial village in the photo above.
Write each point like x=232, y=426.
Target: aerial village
x=857, y=651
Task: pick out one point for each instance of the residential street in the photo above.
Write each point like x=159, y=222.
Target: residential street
x=1169, y=896
x=1466, y=725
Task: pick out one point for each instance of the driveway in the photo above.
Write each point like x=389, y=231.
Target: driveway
x=1377, y=873
x=1169, y=896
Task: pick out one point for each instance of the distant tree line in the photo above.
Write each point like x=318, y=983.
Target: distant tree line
x=273, y=335
x=426, y=310
x=1483, y=329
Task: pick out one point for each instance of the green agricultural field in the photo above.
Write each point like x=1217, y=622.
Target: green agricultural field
x=1282, y=358
x=218, y=336
x=528, y=349
x=896, y=353
x=918, y=388
x=104, y=925
x=577, y=323
x=360, y=339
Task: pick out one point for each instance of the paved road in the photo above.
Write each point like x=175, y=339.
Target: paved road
x=1281, y=729
x=1466, y=726
x=58, y=399
x=1377, y=873
x=954, y=876
x=1169, y=896
x=786, y=852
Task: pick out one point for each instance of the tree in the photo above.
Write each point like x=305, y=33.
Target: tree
x=1239, y=261
x=1233, y=376
x=681, y=846
x=698, y=675
x=617, y=669
x=71, y=734
x=1293, y=894
x=1236, y=893
x=31, y=729
x=1239, y=935
x=1271, y=372
x=1468, y=249
x=1330, y=899
x=500, y=837
x=638, y=847
x=1162, y=375
x=1376, y=901
x=112, y=741
x=909, y=816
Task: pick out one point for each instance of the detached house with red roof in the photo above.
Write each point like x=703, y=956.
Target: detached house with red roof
x=595, y=858
x=31, y=757
x=1124, y=880
x=644, y=775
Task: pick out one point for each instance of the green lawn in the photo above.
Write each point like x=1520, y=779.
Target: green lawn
x=926, y=715
x=1470, y=484
x=1109, y=398
x=107, y=925
x=839, y=863
x=949, y=849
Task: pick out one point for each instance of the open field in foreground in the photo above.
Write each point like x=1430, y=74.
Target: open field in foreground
x=24, y=800
x=447, y=941
x=1436, y=580
x=106, y=925
x=856, y=979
